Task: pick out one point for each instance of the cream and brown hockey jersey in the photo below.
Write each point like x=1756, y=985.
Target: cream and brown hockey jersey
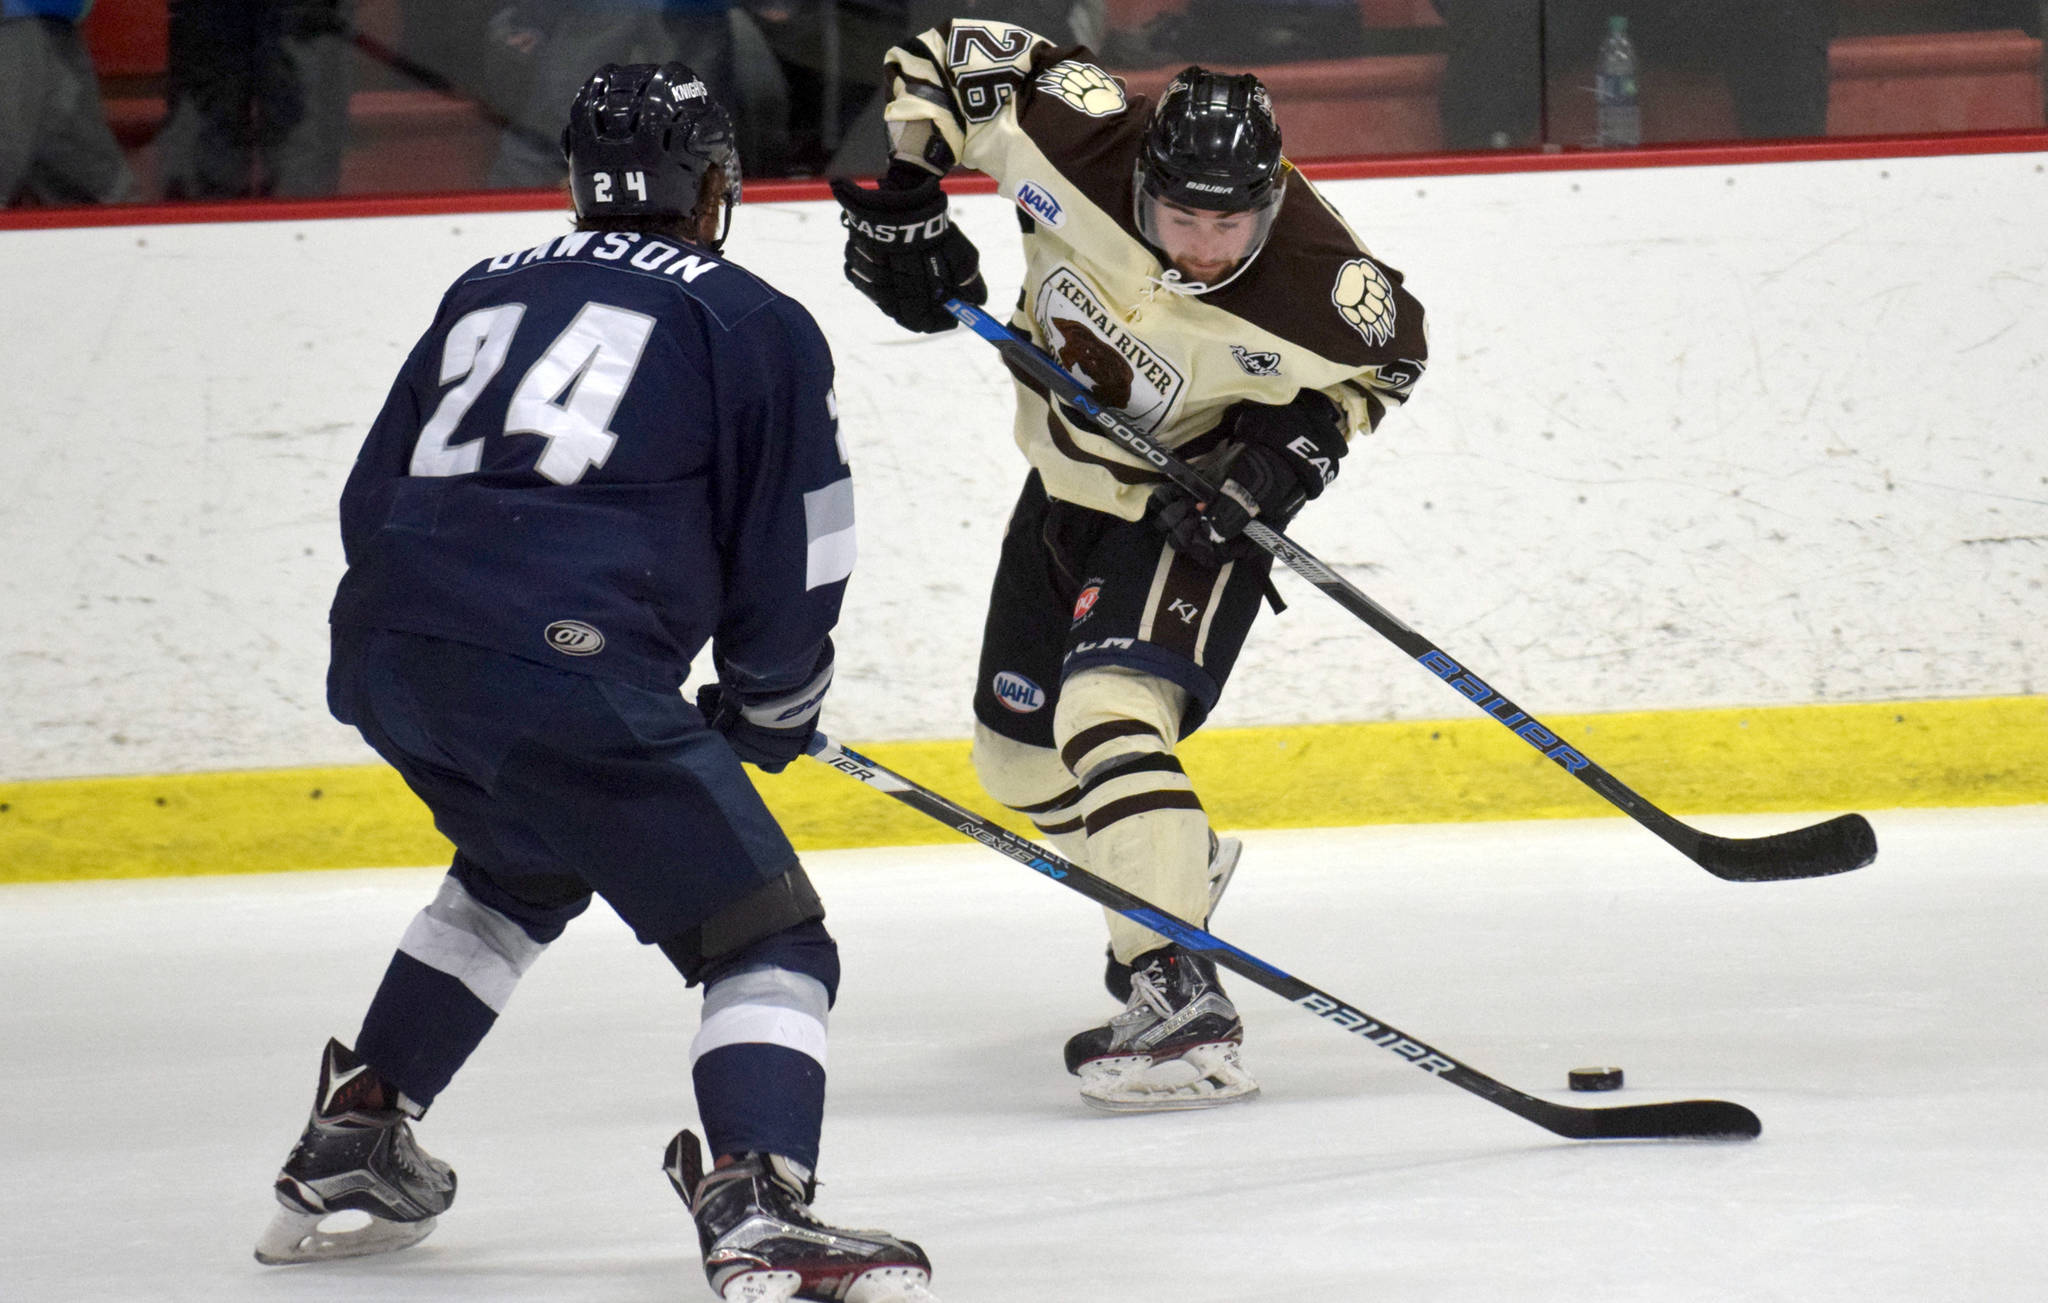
x=1061, y=137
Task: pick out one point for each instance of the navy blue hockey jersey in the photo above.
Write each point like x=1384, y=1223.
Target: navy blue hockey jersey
x=607, y=450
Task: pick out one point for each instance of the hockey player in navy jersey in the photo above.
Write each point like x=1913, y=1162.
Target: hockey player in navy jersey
x=608, y=450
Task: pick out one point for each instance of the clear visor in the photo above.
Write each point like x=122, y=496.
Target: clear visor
x=1205, y=246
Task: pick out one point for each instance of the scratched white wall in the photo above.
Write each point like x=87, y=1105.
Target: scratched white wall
x=1730, y=435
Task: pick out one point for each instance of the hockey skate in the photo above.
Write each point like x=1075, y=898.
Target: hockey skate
x=1223, y=856
x=357, y=1156
x=1176, y=1045
x=762, y=1243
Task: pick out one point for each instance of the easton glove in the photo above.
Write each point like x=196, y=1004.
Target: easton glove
x=1279, y=457
x=903, y=251
x=768, y=730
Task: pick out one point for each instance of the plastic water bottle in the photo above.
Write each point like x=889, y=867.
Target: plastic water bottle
x=1620, y=117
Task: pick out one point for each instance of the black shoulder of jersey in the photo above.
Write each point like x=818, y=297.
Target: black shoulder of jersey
x=1095, y=154
x=1313, y=285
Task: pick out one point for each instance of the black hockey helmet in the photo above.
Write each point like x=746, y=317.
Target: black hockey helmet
x=640, y=141
x=1212, y=144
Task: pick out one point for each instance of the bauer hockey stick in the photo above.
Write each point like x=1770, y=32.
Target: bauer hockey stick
x=1693, y=1119
x=1833, y=846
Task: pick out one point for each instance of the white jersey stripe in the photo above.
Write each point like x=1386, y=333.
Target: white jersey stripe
x=828, y=533
x=828, y=560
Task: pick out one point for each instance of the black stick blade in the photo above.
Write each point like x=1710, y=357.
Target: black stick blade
x=1691, y=1119
x=1835, y=846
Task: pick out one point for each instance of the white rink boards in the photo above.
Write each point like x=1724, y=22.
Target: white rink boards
x=161, y=1040
x=1745, y=435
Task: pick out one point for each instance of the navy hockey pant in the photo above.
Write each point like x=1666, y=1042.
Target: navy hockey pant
x=554, y=786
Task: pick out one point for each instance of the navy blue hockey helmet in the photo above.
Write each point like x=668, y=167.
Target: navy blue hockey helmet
x=1212, y=145
x=641, y=139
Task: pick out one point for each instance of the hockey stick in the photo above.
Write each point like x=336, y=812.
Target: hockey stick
x=1694, y=1119
x=1832, y=846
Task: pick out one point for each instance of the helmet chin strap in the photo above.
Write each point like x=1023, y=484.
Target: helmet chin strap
x=725, y=208
x=726, y=194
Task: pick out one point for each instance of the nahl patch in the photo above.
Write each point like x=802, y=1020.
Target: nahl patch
x=1018, y=693
x=1257, y=364
x=1038, y=201
x=1365, y=298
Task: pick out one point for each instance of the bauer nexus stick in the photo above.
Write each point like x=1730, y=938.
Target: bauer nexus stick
x=1693, y=1119
x=1832, y=846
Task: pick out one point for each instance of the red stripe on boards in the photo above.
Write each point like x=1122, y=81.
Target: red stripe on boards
x=1477, y=163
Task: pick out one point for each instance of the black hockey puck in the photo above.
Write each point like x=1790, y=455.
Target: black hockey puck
x=1594, y=1078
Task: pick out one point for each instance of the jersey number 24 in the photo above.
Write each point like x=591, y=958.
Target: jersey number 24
x=568, y=395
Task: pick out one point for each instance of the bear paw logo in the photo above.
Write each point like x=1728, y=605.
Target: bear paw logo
x=1085, y=87
x=1365, y=299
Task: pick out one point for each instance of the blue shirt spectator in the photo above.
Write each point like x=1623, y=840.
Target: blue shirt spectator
x=55, y=147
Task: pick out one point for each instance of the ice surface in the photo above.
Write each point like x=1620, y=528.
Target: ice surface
x=159, y=1041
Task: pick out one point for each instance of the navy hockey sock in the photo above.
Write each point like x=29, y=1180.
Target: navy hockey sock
x=758, y=1063
x=765, y=1099
x=421, y=1028
x=454, y=970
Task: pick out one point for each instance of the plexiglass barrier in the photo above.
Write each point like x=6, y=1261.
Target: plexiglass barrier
x=149, y=100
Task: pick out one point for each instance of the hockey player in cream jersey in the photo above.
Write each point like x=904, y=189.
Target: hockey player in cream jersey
x=1177, y=262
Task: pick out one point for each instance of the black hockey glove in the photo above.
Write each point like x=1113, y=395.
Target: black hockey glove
x=1277, y=458
x=903, y=251
x=768, y=730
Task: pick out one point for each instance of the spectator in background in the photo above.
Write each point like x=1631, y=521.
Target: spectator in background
x=258, y=98
x=555, y=43
x=1492, y=94
x=54, y=143
x=811, y=74
x=1772, y=53
x=444, y=39
x=1238, y=33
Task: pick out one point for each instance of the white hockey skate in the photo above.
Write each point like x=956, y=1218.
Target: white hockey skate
x=1176, y=1045
x=762, y=1243
x=357, y=1182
